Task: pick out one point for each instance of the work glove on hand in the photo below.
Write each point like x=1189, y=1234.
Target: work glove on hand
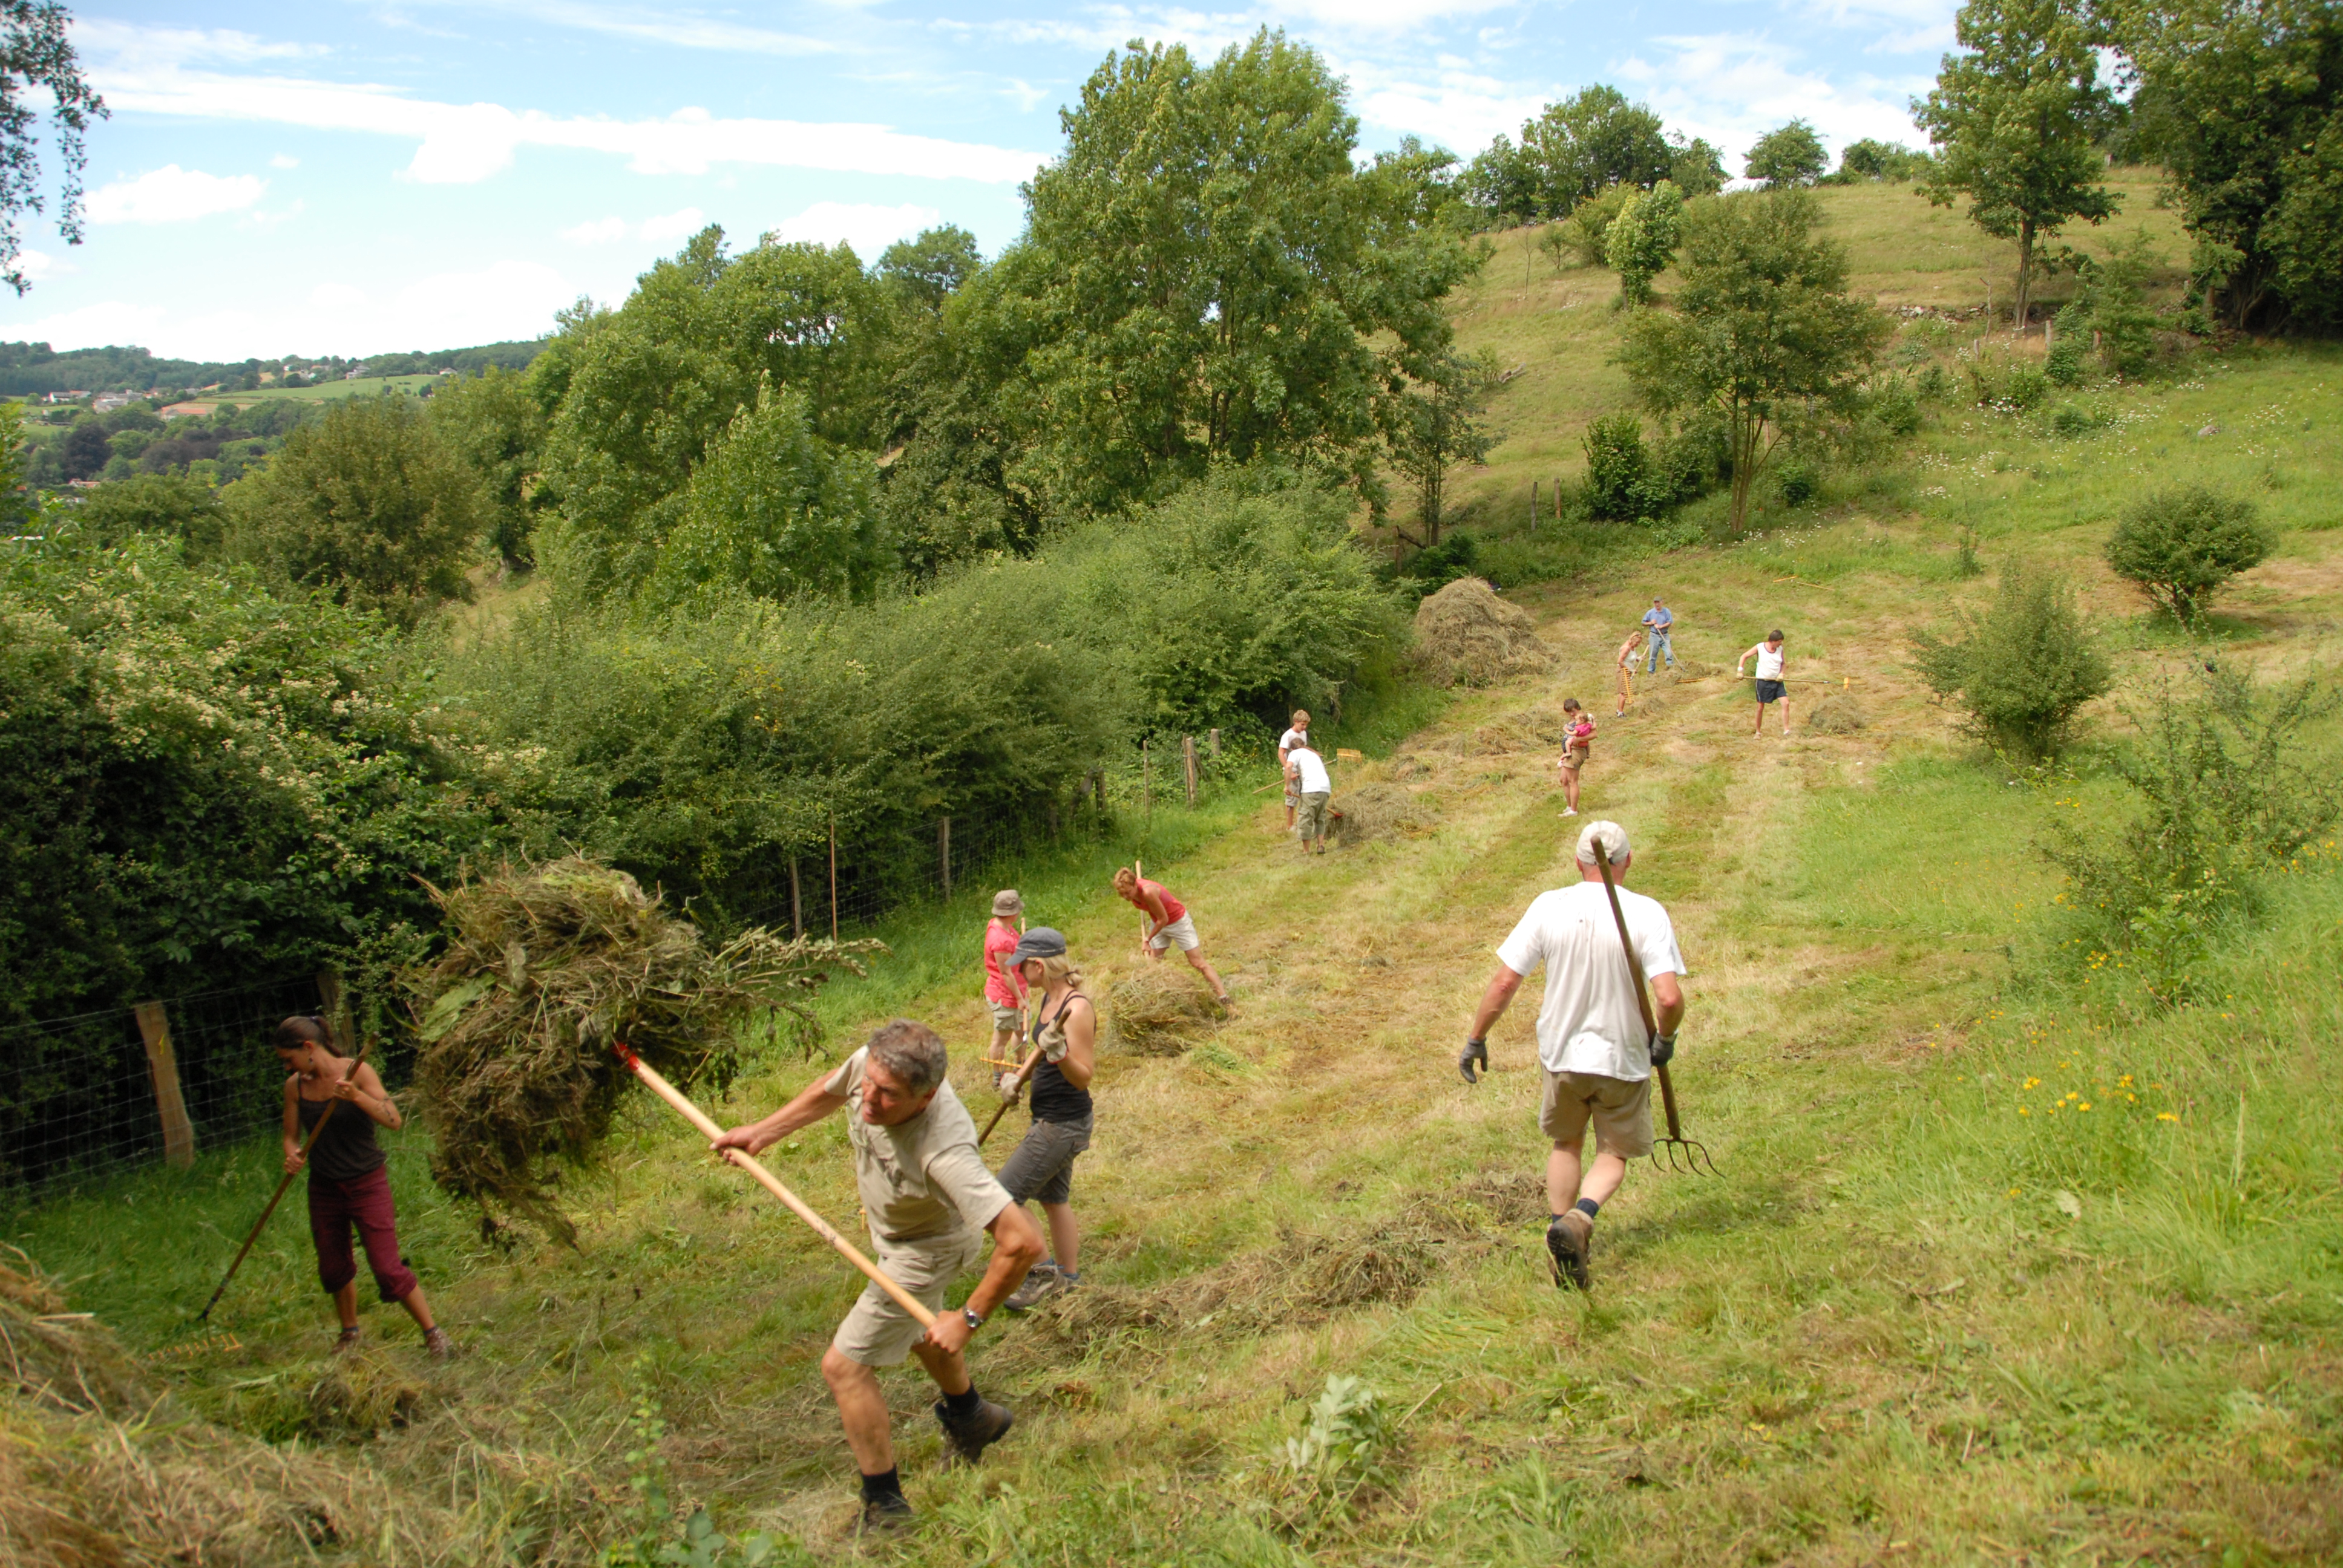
x=1008, y=1086
x=1054, y=1044
x=1663, y=1049
x=1475, y=1051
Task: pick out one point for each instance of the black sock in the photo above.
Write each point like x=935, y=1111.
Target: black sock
x=1588, y=1207
x=889, y=1484
x=963, y=1404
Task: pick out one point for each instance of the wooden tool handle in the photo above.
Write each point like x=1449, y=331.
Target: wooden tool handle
x=772, y=1183
x=1023, y=1074
x=1643, y=1003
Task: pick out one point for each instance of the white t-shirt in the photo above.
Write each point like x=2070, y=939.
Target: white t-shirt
x=1769, y=662
x=1589, y=1022
x=923, y=1177
x=1292, y=738
x=1313, y=770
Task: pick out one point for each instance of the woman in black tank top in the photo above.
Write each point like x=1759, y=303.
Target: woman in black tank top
x=350, y=1184
x=1065, y=1031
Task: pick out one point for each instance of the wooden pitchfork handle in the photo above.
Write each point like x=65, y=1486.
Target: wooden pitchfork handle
x=1643, y=1003
x=772, y=1183
x=279, y=1196
x=1023, y=1074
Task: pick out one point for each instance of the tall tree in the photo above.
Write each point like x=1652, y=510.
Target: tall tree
x=2019, y=118
x=1761, y=337
x=496, y=423
x=1592, y=140
x=1211, y=276
x=1787, y=156
x=1433, y=428
x=36, y=54
x=2244, y=106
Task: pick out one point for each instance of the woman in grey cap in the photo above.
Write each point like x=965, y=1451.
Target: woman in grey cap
x=1065, y=1031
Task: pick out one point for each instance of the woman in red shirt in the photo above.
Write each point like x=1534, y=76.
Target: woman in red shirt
x=1168, y=926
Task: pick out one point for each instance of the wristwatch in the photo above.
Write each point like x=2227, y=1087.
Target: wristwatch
x=974, y=1321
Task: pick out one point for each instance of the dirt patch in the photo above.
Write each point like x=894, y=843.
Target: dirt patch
x=1158, y=1011
x=1466, y=636
x=1373, y=811
x=1837, y=716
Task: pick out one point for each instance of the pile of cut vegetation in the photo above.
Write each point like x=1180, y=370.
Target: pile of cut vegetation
x=1159, y=1010
x=1837, y=716
x=1695, y=669
x=547, y=968
x=1466, y=634
x=1373, y=811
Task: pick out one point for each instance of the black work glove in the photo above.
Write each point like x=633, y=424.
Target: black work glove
x=1663, y=1049
x=1475, y=1051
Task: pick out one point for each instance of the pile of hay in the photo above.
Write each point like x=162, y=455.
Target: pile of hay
x=1837, y=716
x=1695, y=669
x=1159, y=1010
x=1374, y=811
x=545, y=969
x=1466, y=634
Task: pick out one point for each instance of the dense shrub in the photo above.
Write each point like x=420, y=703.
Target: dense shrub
x=2181, y=544
x=2024, y=668
x=1617, y=467
x=1797, y=480
x=184, y=508
x=1643, y=239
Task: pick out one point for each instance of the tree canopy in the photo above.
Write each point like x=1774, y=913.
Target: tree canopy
x=37, y=55
x=1787, y=156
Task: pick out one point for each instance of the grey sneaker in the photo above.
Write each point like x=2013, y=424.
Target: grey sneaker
x=436, y=1341
x=347, y=1342
x=1568, y=1240
x=1044, y=1280
x=965, y=1440
x=887, y=1515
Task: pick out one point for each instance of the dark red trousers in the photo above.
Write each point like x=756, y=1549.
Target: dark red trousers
x=364, y=1202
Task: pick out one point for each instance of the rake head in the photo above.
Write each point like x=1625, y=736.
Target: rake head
x=1692, y=1153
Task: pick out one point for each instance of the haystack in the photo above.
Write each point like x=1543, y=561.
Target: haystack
x=1837, y=716
x=546, y=969
x=1466, y=634
x=1696, y=669
x=1158, y=1010
x=1373, y=811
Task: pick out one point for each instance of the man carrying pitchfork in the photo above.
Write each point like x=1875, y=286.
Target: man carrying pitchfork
x=1591, y=1042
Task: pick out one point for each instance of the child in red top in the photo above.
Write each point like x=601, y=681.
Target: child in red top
x=1578, y=745
x=1004, y=988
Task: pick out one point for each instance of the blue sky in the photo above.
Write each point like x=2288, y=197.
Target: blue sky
x=353, y=178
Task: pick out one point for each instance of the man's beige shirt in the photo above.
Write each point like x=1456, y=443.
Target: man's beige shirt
x=924, y=1178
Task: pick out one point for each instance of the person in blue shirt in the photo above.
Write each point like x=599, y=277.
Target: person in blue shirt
x=1658, y=620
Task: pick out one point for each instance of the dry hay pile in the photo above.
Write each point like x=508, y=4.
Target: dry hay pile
x=1466, y=634
x=96, y=1467
x=1696, y=669
x=1159, y=1010
x=1837, y=716
x=545, y=970
x=1374, y=811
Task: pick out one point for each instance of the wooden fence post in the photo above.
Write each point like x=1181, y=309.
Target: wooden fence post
x=163, y=1072
x=1188, y=764
x=339, y=1028
x=1533, y=484
x=1215, y=736
x=1146, y=782
x=944, y=852
x=797, y=903
x=833, y=875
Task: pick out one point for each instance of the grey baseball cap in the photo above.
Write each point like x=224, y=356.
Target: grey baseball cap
x=1040, y=942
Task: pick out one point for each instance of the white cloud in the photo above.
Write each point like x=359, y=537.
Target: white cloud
x=285, y=161
x=38, y=265
x=678, y=29
x=1732, y=88
x=464, y=142
x=173, y=195
x=108, y=321
x=128, y=43
x=868, y=229
x=680, y=225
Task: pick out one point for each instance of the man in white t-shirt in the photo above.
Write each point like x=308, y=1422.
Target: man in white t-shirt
x=1591, y=1038
x=1297, y=734
x=1307, y=781
x=928, y=1197
x=1773, y=681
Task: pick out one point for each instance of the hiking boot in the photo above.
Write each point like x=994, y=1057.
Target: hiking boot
x=887, y=1515
x=1568, y=1240
x=1045, y=1280
x=348, y=1343
x=436, y=1341
x=967, y=1438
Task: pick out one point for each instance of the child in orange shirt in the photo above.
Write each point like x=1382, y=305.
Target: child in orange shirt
x=1004, y=988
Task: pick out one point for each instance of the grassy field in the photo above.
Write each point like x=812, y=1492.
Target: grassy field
x=2006, y=1265
x=324, y=392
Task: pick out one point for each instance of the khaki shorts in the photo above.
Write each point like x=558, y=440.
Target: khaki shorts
x=1005, y=1017
x=1309, y=822
x=1577, y=757
x=1620, y=1110
x=1180, y=933
x=878, y=1332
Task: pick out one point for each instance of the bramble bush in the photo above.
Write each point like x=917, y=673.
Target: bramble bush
x=2182, y=545
x=2024, y=668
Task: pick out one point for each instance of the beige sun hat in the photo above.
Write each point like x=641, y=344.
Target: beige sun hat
x=1006, y=905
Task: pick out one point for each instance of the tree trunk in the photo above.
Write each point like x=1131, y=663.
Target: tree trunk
x=2025, y=275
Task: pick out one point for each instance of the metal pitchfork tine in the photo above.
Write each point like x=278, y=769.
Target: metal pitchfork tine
x=1695, y=1153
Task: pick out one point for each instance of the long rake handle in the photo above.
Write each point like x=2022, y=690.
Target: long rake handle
x=1023, y=1074
x=279, y=1196
x=772, y=1183
x=1643, y=1003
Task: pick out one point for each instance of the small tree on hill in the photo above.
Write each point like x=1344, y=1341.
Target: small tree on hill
x=2182, y=546
x=1433, y=428
x=1763, y=336
x=2026, y=666
x=1643, y=239
x=2018, y=118
x=1787, y=156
